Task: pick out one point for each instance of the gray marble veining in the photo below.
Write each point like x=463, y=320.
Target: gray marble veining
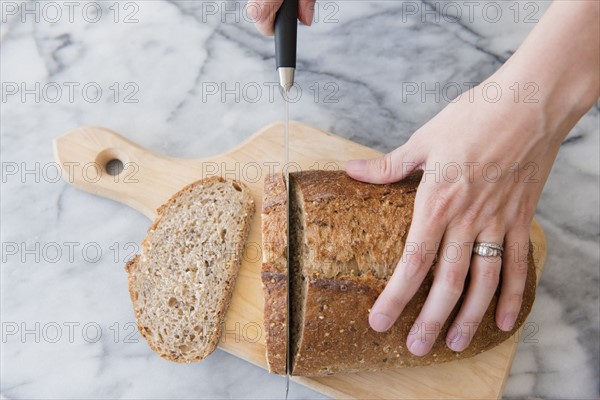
x=157, y=64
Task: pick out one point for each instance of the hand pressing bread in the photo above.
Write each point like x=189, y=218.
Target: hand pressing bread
x=346, y=238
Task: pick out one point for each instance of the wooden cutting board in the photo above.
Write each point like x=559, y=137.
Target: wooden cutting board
x=148, y=180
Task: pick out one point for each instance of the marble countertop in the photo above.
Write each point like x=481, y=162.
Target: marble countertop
x=192, y=79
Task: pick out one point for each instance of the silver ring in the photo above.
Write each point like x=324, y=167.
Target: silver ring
x=488, y=249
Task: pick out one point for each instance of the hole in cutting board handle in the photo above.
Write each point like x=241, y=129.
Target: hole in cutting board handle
x=111, y=162
x=114, y=167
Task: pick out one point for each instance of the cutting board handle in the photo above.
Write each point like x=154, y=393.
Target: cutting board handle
x=103, y=162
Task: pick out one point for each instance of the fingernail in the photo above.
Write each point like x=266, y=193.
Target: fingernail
x=356, y=166
x=380, y=322
x=456, y=340
x=419, y=348
x=509, y=322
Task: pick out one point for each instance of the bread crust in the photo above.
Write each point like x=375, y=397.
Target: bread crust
x=134, y=273
x=351, y=227
x=337, y=336
x=354, y=235
x=275, y=293
x=274, y=224
x=274, y=272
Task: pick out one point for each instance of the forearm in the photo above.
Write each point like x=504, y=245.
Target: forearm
x=561, y=57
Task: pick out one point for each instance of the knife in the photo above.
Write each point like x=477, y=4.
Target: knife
x=286, y=30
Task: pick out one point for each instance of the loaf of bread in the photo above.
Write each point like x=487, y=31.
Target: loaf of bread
x=346, y=238
x=181, y=283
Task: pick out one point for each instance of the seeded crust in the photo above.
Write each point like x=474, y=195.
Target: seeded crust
x=336, y=335
x=274, y=274
x=346, y=239
x=182, y=281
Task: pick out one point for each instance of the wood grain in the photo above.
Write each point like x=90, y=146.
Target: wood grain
x=149, y=179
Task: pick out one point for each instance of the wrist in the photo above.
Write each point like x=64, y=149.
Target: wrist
x=560, y=59
x=556, y=99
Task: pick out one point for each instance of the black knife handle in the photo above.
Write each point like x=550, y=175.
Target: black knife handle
x=286, y=32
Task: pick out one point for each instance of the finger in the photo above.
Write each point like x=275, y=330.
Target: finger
x=306, y=11
x=514, y=275
x=421, y=246
x=388, y=168
x=484, y=277
x=262, y=13
x=448, y=284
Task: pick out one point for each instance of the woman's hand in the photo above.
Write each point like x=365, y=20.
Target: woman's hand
x=486, y=158
x=485, y=165
x=263, y=13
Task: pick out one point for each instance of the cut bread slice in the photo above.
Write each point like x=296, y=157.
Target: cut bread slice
x=274, y=273
x=181, y=283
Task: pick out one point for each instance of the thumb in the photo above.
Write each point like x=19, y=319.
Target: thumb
x=391, y=167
